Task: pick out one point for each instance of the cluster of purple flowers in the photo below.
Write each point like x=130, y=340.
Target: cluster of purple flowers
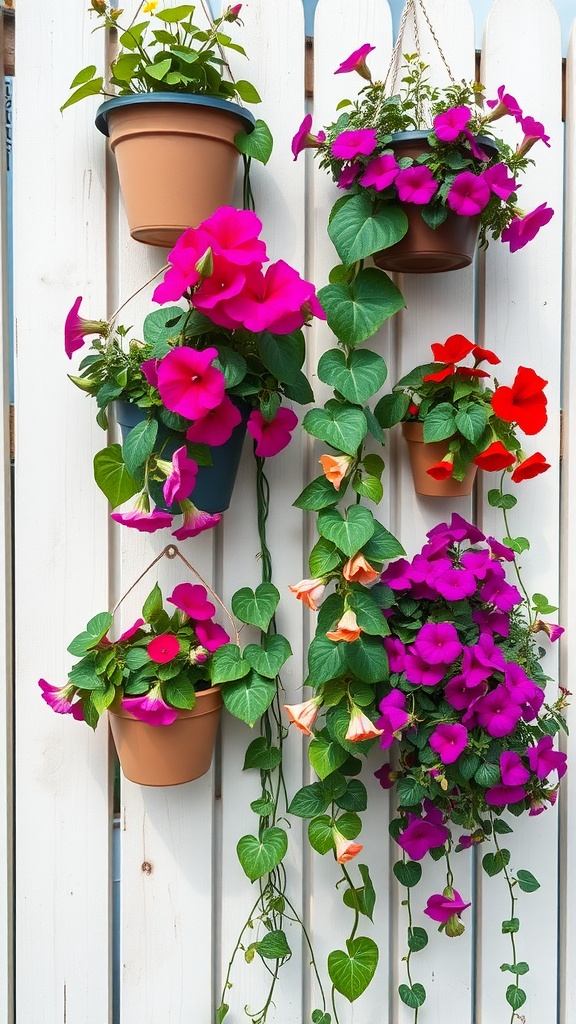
x=466, y=688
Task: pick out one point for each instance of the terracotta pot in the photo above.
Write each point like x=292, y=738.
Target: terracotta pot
x=214, y=484
x=423, y=455
x=425, y=250
x=176, y=159
x=168, y=755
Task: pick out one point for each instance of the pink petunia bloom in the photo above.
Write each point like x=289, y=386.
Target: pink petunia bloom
x=217, y=426
x=163, y=649
x=271, y=437
x=416, y=185
x=226, y=281
x=481, y=659
x=462, y=695
x=393, y=717
x=478, y=562
x=522, y=230
x=131, y=631
x=552, y=629
x=357, y=62
x=420, y=672
x=468, y=194
x=349, y=145
x=195, y=521
x=441, y=908
x=76, y=329
x=422, y=835
x=543, y=759
x=396, y=652
x=234, y=234
x=456, y=584
x=498, y=713
x=182, y=480
x=534, y=132
x=151, y=708
x=380, y=172
x=348, y=175
x=500, y=551
x=59, y=698
x=150, y=370
x=448, y=741
x=501, y=594
x=437, y=643
x=427, y=570
x=499, y=796
x=500, y=181
x=361, y=727
x=449, y=125
x=145, y=522
x=504, y=105
x=188, y=383
x=512, y=770
x=492, y=621
x=458, y=529
x=304, y=139
x=304, y=715
x=183, y=273
x=396, y=575
x=279, y=301
x=192, y=599
x=211, y=635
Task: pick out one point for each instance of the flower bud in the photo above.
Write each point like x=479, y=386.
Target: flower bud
x=205, y=265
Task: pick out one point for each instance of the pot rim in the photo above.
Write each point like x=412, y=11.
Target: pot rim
x=214, y=102
x=423, y=133
x=118, y=711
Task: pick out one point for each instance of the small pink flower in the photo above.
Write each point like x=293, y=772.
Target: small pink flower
x=233, y=234
x=145, y=522
x=423, y=835
x=468, y=194
x=349, y=145
x=522, y=230
x=188, y=383
x=552, y=629
x=361, y=727
x=57, y=698
x=195, y=521
x=151, y=708
x=226, y=281
x=420, y=672
x=163, y=648
x=182, y=479
x=500, y=181
x=183, y=273
x=192, y=599
x=357, y=62
x=441, y=908
x=438, y=643
x=393, y=717
x=534, y=132
x=304, y=715
x=211, y=635
x=416, y=185
x=271, y=437
x=512, y=770
x=448, y=741
x=279, y=301
x=499, y=796
x=504, y=105
x=76, y=329
x=449, y=125
x=348, y=175
x=345, y=849
x=304, y=138
x=543, y=759
x=150, y=370
x=217, y=426
x=380, y=172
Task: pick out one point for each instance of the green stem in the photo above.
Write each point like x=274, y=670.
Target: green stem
x=356, y=902
x=516, y=566
x=334, y=1010
x=409, y=955
x=510, y=885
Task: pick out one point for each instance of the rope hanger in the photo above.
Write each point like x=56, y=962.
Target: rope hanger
x=412, y=7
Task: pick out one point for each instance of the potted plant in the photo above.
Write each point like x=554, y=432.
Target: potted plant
x=422, y=171
x=164, y=679
x=173, y=128
x=201, y=375
x=457, y=418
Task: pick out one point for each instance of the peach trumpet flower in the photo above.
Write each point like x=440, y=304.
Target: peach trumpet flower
x=361, y=727
x=335, y=467
x=359, y=570
x=345, y=849
x=304, y=715
x=309, y=591
x=347, y=629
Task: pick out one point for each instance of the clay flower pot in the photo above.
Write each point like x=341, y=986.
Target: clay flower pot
x=426, y=250
x=176, y=159
x=168, y=755
x=423, y=455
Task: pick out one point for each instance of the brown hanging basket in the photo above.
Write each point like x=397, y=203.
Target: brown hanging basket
x=423, y=455
x=176, y=159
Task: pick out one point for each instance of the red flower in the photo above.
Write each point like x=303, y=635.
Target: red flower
x=441, y=470
x=495, y=457
x=471, y=371
x=480, y=354
x=532, y=466
x=455, y=348
x=524, y=403
x=163, y=648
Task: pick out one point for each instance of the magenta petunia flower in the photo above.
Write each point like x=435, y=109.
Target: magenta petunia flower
x=456, y=584
x=437, y=643
x=396, y=652
x=271, y=437
x=416, y=185
x=349, y=145
x=357, y=62
x=188, y=383
x=150, y=370
x=211, y=635
x=543, y=759
x=163, y=648
x=279, y=301
x=182, y=480
x=145, y=522
x=457, y=530
x=461, y=695
x=498, y=713
x=192, y=599
x=76, y=329
x=492, y=621
x=195, y=521
x=151, y=708
x=380, y=172
x=534, y=132
x=505, y=104
x=449, y=125
x=499, y=796
x=483, y=655
x=234, y=234
x=512, y=770
x=386, y=777
x=441, y=908
x=478, y=562
x=217, y=426
x=468, y=194
x=448, y=741
x=500, y=551
x=427, y=570
x=131, y=631
x=501, y=594
x=500, y=181
x=304, y=139
x=396, y=575
x=225, y=282
x=59, y=698
x=183, y=274
x=422, y=835
x=420, y=672
x=393, y=717
x=348, y=175
x=522, y=230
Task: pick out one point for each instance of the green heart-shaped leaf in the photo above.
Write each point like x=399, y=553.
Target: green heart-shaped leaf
x=339, y=425
x=259, y=856
x=359, y=229
x=326, y=659
x=357, y=378
x=350, y=532
x=352, y=972
x=268, y=659
x=325, y=755
x=112, y=476
x=228, y=664
x=95, y=630
x=256, y=607
x=274, y=946
x=356, y=310
x=249, y=698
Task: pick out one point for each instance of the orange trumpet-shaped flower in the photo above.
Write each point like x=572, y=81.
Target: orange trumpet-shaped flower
x=361, y=727
x=347, y=629
x=309, y=591
x=345, y=849
x=358, y=570
x=335, y=467
x=303, y=715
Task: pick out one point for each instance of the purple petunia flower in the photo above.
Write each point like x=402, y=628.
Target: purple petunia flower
x=349, y=145
x=423, y=835
x=448, y=741
x=499, y=796
x=397, y=575
x=380, y=172
x=348, y=175
x=416, y=185
x=461, y=695
x=396, y=652
x=441, y=908
x=468, y=194
x=393, y=717
x=512, y=770
x=437, y=643
x=543, y=759
x=522, y=230
x=449, y=125
x=456, y=584
x=501, y=594
x=500, y=181
x=420, y=673
x=498, y=713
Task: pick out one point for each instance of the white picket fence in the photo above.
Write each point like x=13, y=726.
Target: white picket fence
x=183, y=895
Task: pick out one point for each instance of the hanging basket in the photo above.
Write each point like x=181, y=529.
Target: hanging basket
x=168, y=755
x=426, y=250
x=423, y=455
x=176, y=159
x=214, y=484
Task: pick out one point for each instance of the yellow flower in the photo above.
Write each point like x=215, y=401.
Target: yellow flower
x=150, y=6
